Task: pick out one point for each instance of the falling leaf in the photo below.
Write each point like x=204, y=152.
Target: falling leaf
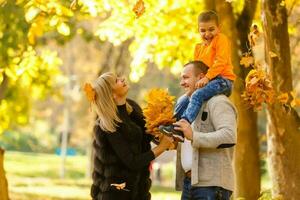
x=247, y=61
x=139, y=8
x=272, y=54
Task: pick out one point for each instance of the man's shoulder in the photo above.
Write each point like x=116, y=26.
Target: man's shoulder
x=219, y=99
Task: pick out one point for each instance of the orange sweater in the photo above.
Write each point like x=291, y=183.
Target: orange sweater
x=217, y=56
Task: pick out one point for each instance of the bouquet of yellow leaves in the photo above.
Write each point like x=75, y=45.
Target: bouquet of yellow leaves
x=159, y=111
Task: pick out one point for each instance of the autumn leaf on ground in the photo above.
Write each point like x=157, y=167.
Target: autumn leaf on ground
x=139, y=8
x=247, y=61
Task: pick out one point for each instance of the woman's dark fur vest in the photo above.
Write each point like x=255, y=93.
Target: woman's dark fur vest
x=108, y=168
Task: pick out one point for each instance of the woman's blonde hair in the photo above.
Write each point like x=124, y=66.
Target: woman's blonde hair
x=104, y=104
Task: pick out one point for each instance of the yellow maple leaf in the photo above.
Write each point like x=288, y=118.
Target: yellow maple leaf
x=247, y=61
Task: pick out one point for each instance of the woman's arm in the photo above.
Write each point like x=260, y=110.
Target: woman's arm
x=132, y=161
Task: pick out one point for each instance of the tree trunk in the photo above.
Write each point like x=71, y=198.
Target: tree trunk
x=3, y=181
x=283, y=124
x=247, y=162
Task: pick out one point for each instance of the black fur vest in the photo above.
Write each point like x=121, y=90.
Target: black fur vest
x=110, y=167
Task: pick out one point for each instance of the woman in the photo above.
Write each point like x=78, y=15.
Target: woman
x=122, y=149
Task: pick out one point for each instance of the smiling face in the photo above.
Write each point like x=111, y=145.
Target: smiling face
x=189, y=79
x=120, y=88
x=208, y=30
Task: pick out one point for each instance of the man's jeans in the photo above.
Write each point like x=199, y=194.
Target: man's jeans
x=189, y=108
x=203, y=193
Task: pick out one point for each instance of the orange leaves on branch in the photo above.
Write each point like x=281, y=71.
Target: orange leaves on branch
x=159, y=110
x=283, y=98
x=258, y=89
x=247, y=60
x=289, y=99
x=139, y=8
x=295, y=101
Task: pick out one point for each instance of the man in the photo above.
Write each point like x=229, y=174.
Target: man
x=204, y=160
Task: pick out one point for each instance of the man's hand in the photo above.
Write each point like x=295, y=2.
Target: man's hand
x=185, y=127
x=202, y=82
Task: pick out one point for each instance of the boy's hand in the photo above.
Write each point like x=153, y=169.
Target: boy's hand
x=202, y=82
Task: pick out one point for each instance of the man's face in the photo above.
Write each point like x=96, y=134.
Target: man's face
x=208, y=30
x=188, y=79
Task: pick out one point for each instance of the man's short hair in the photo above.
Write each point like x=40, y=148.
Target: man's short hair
x=199, y=67
x=208, y=16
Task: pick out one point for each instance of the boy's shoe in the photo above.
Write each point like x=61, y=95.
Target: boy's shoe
x=171, y=132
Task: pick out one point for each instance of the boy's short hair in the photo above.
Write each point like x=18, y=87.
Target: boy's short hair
x=199, y=67
x=208, y=16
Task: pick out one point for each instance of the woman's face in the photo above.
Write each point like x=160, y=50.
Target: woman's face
x=121, y=87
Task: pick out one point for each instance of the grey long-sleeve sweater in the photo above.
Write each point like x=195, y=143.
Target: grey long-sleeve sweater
x=214, y=136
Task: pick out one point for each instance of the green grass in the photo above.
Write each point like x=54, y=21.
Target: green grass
x=36, y=176
x=33, y=176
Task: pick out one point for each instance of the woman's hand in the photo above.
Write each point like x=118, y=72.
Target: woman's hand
x=165, y=144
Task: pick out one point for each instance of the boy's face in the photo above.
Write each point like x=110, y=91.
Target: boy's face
x=208, y=30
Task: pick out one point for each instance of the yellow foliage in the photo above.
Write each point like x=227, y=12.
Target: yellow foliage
x=258, y=89
x=283, y=98
x=159, y=110
x=295, y=101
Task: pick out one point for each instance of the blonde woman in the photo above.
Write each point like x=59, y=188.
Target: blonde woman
x=122, y=148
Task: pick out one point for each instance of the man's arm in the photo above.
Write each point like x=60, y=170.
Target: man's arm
x=224, y=119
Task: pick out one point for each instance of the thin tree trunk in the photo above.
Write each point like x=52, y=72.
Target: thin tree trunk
x=247, y=162
x=3, y=181
x=283, y=132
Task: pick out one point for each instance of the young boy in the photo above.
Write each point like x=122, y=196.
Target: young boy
x=215, y=52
